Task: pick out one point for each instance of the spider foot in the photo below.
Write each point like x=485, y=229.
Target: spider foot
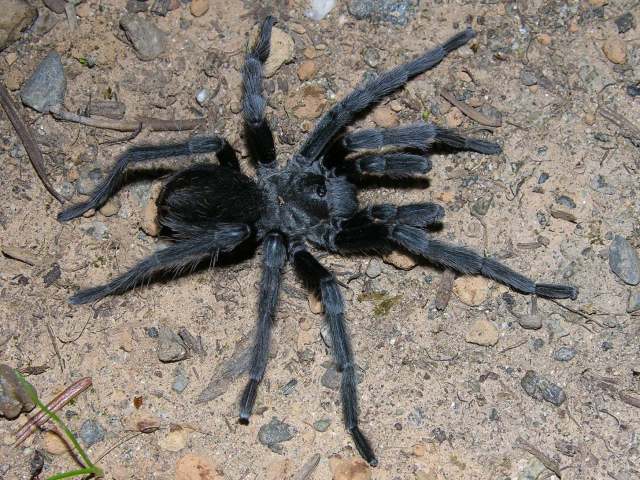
x=247, y=402
x=362, y=444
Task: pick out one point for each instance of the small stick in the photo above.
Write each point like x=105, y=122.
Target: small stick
x=471, y=112
x=57, y=403
x=443, y=295
x=153, y=124
x=307, y=470
x=30, y=145
x=55, y=346
x=546, y=461
x=21, y=255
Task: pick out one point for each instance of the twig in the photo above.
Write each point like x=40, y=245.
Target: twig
x=512, y=347
x=470, y=112
x=546, y=461
x=307, y=470
x=30, y=145
x=627, y=128
x=153, y=124
x=629, y=400
x=21, y=255
x=55, y=346
x=57, y=403
x=117, y=444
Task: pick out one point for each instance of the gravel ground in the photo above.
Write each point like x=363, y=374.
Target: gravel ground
x=489, y=385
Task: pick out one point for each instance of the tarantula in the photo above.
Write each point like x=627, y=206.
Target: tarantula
x=208, y=210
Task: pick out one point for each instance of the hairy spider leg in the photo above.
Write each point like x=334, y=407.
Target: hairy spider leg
x=372, y=92
x=320, y=279
x=177, y=257
x=258, y=132
x=419, y=136
x=274, y=254
x=112, y=181
x=361, y=235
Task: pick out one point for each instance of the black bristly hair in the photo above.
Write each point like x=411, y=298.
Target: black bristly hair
x=210, y=209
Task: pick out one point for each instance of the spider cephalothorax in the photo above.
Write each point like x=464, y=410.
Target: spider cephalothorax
x=209, y=210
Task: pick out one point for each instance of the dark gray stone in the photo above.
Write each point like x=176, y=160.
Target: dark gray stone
x=540, y=388
x=180, y=380
x=625, y=22
x=275, y=432
x=564, y=354
x=566, y=201
x=374, y=268
x=528, y=78
x=170, y=346
x=88, y=181
x=396, y=12
x=107, y=108
x=482, y=206
x=46, y=86
x=332, y=378
x=322, y=425
x=91, y=432
x=136, y=6
x=633, y=90
x=148, y=40
x=623, y=261
x=371, y=56
x=56, y=6
x=633, y=304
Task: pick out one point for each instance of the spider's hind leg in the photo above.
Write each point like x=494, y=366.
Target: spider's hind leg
x=114, y=178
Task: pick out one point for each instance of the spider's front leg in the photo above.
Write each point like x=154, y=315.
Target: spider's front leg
x=273, y=258
x=320, y=279
x=368, y=230
x=178, y=257
x=114, y=178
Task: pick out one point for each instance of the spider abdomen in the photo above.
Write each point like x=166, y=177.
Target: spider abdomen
x=196, y=199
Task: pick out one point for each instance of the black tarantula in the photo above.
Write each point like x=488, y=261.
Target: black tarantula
x=208, y=209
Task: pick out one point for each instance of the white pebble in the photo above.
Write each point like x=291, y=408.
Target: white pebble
x=320, y=9
x=202, y=96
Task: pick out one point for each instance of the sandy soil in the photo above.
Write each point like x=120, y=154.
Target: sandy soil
x=435, y=405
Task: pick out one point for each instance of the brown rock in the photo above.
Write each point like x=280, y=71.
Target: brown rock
x=315, y=305
x=175, y=440
x=615, y=50
x=194, y=467
x=454, y=118
x=281, y=52
x=349, y=469
x=199, y=7
x=307, y=70
x=110, y=208
x=544, y=39
x=17, y=15
x=482, y=332
x=149, y=222
x=385, y=117
x=312, y=103
x=471, y=290
x=400, y=260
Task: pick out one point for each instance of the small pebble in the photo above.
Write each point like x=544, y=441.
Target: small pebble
x=111, y=208
x=623, y=261
x=633, y=304
x=528, y=78
x=52, y=275
x=454, y=118
x=332, y=378
x=544, y=39
x=615, y=50
x=482, y=332
x=137, y=6
x=181, y=379
x=174, y=440
x=53, y=444
x=374, y=268
x=56, y=6
x=325, y=334
x=564, y=354
x=289, y=387
x=322, y=425
x=148, y=41
x=606, y=346
x=530, y=321
x=543, y=178
x=14, y=397
x=46, y=86
x=281, y=52
x=88, y=181
x=315, y=305
x=566, y=201
x=275, y=432
x=633, y=90
x=320, y=9
x=199, y=7
x=371, y=56
x=202, y=96
x=170, y=346
x=307, y=70
x=17, y=16
x=471, y=290
x=395, y=12
x=481, y=206
x=91, y=432
x=625, y=22
x=540, y=388
x=400, y=260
